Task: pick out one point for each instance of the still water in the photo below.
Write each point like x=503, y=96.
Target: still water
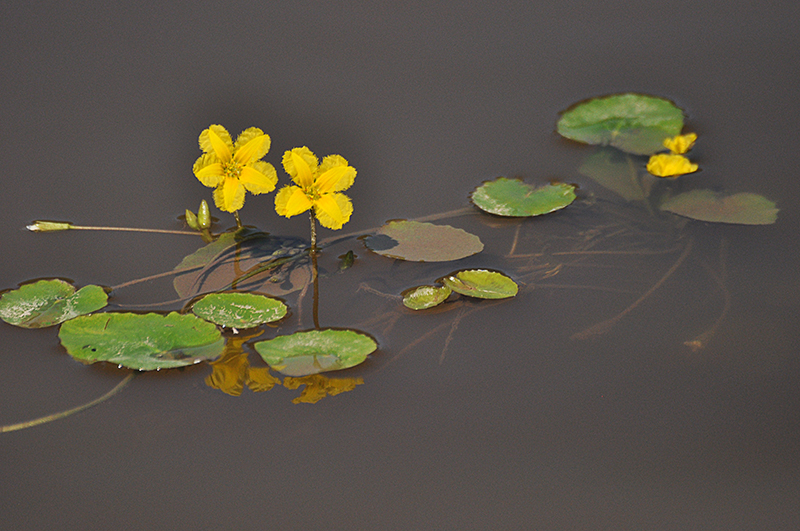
x=484, y=416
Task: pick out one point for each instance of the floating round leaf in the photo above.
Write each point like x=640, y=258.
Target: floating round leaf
x=635, y=123
x=239, y=310
x=316, y=351
x=145, y=342
x=512, y=197
x=49, y=302
x=481, y=283
x=423, y=297
x=707, y=205
x=423, y=242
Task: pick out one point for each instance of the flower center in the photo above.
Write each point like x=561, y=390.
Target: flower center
x=232, y=169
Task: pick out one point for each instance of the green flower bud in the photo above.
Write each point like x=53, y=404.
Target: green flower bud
x=203, y=215
x=49, y=226
x=191, y=220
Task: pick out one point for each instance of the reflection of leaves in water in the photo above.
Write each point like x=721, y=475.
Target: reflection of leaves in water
x=319, y=386
x=249, y=259
x=232, y=370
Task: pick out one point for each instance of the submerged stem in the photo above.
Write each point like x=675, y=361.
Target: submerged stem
x=62, y=414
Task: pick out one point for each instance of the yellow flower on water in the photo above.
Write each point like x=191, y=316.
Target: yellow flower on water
x=231, y=168
x=318, y=187
x=680, y=144
x=670, y=165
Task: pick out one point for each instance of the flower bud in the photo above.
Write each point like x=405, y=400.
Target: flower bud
x=203, y=215
x=49, y=226
x=191, y=220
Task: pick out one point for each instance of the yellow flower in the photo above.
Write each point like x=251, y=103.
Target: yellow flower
x=663, y=165
x=680, y=144
x=231, y=168
x=318, y=187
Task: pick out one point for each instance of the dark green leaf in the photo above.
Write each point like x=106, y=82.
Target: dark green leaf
x=634, y=123
x=145, y=342
x=512, y=197
x=239, y=310
x=315, y=351
x=424, y=297
x=49, y=302
x=481, y=283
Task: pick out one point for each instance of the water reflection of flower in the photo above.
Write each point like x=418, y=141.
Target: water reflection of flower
x=232, y=371
x=231, y=168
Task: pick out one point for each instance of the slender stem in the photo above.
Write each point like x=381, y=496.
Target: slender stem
x=238, y=221
x=315, y=277
x=605, y=326
x=135, y=229
x=62, y=414
x=313, y=231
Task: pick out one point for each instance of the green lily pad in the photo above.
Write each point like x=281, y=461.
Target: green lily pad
x=481, y=283
x=423, y=242
x=49, y=302
x=144, y=342
x=512, y=197
x=239, y=310
x=424, y=297
x=634, y=123
x=707, y=205
x=617, y=172
x=316, y=351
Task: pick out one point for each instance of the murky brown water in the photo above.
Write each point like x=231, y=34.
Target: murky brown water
x=513, y=425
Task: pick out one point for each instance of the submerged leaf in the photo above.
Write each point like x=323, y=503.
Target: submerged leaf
x=424, y=297
x=245, y=260
x=634, y=123
x=481, y=283
x=49, y=302
x=423, y=242
x=512, y=197
x=239, y=310
x=615, y=171
x=315, y=351
x=706, y=205
x=145, y=342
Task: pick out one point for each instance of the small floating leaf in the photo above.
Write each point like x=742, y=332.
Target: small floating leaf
x=145, y=342
x=512, y=197
x=424, y=297
x=706, y=205
x=634, y=123
x=49, y=302
x=423, y=242
x=315, y=351
x=481, y=283
x=239, y=310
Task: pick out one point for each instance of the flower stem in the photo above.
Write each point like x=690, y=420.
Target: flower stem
x=313, y=232
x=45, y=226
x=238, y=221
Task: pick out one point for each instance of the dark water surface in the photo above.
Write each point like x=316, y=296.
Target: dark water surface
x=513, y=425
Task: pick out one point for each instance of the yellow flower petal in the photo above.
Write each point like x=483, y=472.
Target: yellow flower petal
x=208, y=169
x=663, y=165
x=216, y=139
x=259, y=177
x=290, y=201
x=229, y=196
x=333, y=210
x=251, y=145
x=680, y=144
x=335, y=175
x=301, y=164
